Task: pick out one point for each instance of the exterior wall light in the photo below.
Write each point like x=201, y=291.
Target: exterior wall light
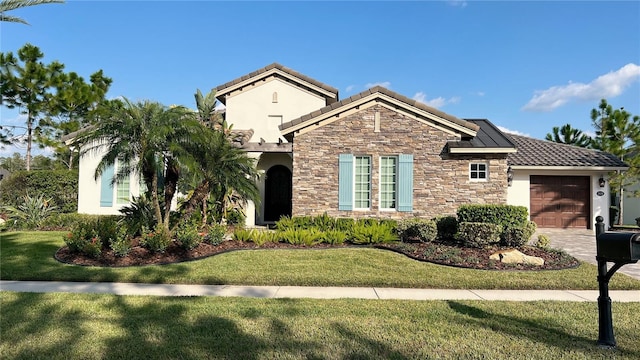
x=601, y=182
x=509, y=176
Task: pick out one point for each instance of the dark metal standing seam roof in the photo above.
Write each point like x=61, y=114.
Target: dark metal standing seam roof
x=534, y=152
x=381, y=90
x=220, y=88
x=489, y=136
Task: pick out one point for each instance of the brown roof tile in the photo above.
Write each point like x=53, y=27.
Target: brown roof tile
x=221, y=89
x=534, y=152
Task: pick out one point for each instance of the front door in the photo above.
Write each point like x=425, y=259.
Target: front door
x=277, y=193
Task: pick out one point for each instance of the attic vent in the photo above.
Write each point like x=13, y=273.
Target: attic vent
x=376, y=122
x=274, y=97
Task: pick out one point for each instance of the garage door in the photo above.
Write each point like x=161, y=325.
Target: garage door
x=560, y=201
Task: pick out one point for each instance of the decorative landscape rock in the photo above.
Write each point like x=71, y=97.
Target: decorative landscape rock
x=513, y=256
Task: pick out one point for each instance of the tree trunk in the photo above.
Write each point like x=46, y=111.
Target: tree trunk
x=170, y=186
x=199, y=194
x=29, y=139
x=154, y=198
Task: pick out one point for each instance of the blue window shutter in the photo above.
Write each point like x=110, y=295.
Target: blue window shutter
x=405, y=182
x=345, y=182
x=106, y=188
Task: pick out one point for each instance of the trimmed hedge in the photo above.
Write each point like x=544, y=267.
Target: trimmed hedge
x=518, y=236
x=504, y=215
x=478, y=234
x=61, y=186
x=417, y=228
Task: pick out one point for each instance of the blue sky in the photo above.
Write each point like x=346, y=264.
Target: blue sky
x=526, y=66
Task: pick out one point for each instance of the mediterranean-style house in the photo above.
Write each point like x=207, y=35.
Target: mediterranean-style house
x=381, y=154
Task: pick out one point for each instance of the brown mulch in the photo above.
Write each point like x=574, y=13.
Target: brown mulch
x=430, y=252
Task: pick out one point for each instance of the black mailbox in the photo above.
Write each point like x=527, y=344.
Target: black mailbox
x=619, y=246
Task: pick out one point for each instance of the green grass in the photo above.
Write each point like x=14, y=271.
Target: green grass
x=83, y=326
x=29, y=256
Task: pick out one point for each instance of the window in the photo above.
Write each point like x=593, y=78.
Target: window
x=478, y=171
x=122, y=191
x=388, y=181
x=395, y=185
x=362, y=182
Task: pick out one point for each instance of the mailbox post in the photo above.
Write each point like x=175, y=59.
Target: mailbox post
x=621, y=249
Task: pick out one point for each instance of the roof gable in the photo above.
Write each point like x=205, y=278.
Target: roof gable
x=280, y=72
x=541, y=153
x=385, y=97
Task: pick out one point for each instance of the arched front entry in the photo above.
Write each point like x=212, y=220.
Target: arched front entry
x=277, y=193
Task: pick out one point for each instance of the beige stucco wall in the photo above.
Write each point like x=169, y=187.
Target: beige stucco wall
x=631, y=206
x=89, y=187
x=440, y=182
x=519, y=193
x=253, y=108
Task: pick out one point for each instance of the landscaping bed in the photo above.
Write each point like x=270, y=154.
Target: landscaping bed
x=438, y=253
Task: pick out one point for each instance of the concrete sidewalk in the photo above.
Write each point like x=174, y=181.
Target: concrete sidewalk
x=279, y=292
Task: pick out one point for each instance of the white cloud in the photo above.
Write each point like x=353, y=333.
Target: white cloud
x=605, y=86
x=457, y=3
x=350, y=88
x=480, y=93
x=514, y=132
x=384, y=84
x=437, y=102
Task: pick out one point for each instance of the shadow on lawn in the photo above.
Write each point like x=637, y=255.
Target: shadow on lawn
x=547, y=331
x=33, y=260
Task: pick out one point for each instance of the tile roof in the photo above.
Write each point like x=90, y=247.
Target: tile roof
x=489, y=136
x=534, y=152
x=221, y=88
x=380, y=90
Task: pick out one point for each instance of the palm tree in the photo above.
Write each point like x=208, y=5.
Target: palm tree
x=569, y=135
x=221, y=168
x=8, y=5
x=148, y=139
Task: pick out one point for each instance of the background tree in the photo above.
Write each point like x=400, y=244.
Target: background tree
x=568, y=135
x=618, y=133
x=42, y=91
x=8, y=5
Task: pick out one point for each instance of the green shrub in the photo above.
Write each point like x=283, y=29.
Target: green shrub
x=61, y=186
x=31, y=212
x=84, y=239
x=324, y=222
x=367, y=232
x=517, y=236
x=306, y=237
x=235, y=217
x=188, y=236
x=478, y=234
x=344, y=224
x=543, y=242
x=285, y=222
x=260, y=237
x=334, y=237
x=157, y=240
x=63, y=221
x=215, y=234
x=504, y=215
x=447, y=227
x=242, y=234
x=416, y=228
x=122, y=244
x=139, y=215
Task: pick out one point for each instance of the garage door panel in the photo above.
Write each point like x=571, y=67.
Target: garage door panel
x=560, y=201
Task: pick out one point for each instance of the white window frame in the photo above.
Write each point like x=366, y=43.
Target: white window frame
x=394, y=205
x=120, y=187
x=355, y=182
x=478, y=171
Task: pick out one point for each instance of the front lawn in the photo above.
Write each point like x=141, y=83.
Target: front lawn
x=29, y=256
x=85, y=326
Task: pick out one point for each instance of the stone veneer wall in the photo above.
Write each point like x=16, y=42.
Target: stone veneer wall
x=440, y=180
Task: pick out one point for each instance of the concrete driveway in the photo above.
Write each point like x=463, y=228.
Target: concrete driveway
x=581, y=244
